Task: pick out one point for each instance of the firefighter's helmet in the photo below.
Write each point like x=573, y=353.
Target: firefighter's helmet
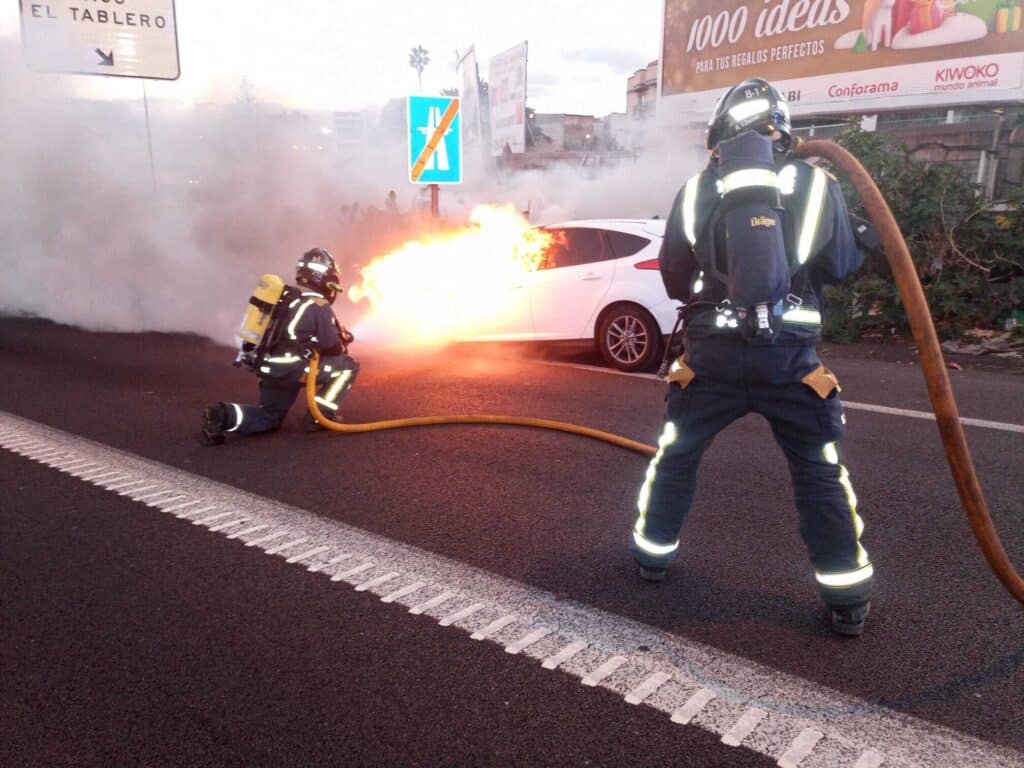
x=318, y=270
x=754, y=104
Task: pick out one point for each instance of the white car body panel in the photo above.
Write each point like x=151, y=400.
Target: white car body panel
x=564, y=303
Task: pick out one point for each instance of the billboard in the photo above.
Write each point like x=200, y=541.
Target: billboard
x=831, y=56
x=472, y=128
x=507, y=81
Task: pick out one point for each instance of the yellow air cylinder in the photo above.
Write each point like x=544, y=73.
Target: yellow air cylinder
x=261, y=307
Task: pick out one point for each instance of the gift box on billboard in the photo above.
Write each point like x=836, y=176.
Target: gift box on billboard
x=1007, y=17
x=926, y=15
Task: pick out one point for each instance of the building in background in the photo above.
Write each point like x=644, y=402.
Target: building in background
x=641, y=103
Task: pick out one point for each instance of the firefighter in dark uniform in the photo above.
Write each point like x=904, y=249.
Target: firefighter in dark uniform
x=309, y=324
x=752, y=324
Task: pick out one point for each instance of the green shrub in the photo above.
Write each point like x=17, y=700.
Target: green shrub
x=969, y=253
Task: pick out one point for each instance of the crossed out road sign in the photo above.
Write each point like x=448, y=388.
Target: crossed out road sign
x=435, y=140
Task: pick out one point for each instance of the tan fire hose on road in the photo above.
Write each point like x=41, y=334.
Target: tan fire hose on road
x=932, y=363
x=924, y=333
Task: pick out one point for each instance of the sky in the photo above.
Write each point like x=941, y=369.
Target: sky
x=347, y=55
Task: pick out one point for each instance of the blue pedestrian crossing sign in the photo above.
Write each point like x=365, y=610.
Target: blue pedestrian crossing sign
x=435, y=140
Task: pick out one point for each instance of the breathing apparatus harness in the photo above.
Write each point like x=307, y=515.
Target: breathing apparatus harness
x=757, y=278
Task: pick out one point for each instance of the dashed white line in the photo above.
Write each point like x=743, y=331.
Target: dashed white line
x=247, y=531
x=693, y=706
x=494, y=627
x=228, y=524
x=148, y=498
x=307, y=553
x=163, y=503
x=431, y=603
x=340, y=575
x=527, y=640
x=194, y=514
x=801, y=747
x=370, y=584
x=744, y=726
x=647, y=687
x=286, y=545
x=183, y=505
x=121, y=485
x=416, y=586
x=870, y=759
x=211, y=518
x=465, y=613
x=132, y=493
x=603, y=671
x=266, y=539
x=317, y=567
x=553, y=662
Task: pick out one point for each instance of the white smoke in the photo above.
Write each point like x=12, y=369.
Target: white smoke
x=87, y=239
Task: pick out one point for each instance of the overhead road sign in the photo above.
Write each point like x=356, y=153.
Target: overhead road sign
x=120, y=38
x=435, y=140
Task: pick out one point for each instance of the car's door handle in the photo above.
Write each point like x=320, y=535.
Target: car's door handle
x=591, y=276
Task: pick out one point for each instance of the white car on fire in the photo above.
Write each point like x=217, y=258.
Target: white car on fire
x=599, y=283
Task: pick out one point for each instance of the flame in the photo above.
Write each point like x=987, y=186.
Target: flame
x=452, y=285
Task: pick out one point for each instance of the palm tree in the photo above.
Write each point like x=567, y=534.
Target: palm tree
x=419, y=57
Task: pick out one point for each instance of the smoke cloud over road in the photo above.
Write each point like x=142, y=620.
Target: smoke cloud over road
x=87, y=239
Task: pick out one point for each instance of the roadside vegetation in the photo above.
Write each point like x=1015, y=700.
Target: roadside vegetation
x=969, y=252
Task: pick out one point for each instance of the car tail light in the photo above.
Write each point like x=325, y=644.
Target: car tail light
x=648, y=264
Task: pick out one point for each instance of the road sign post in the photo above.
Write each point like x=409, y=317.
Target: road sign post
x=435, y=144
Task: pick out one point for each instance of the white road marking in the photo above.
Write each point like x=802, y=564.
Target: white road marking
x=586, y=635
x=431, y=603
x=307, y=553
x=131, y=494
x=362, y=587
x=286, y=545
x=163, y=503
x=182, y=505
x=122, y=485
x=190, y=514
x=494, y=627
x=247, y=531
x=416, y=586
x=884, y=409
x=603, y=671
x=801, y=747
x=317, y=567
x=150, y=496
x=744, y=727
x=266, y=539
x=527, y=640
x=552, y=662
x=871, y=759
x=229, y=524
x=647, y=687
x=693, y=706
x=211, y=518
x=352, y=571
x=466, y=612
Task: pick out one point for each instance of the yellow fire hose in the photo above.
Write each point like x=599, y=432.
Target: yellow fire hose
x=932, y=363
x=426, y=421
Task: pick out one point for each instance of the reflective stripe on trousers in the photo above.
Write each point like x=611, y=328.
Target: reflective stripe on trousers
x=864, y=571
x=668, y=436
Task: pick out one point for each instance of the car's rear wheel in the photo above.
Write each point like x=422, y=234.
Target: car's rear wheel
x=629, y=338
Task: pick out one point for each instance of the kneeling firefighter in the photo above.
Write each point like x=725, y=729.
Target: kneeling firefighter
x=284, y=325
x=748, y=246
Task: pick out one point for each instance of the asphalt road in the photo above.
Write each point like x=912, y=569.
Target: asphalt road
x=133, y=642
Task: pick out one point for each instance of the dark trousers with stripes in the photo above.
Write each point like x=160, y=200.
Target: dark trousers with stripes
x=278, y=394
x=733, y=378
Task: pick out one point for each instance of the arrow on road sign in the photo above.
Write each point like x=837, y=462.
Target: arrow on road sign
x=439, y=132
x=107, y=59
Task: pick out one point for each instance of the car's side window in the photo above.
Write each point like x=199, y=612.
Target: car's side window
x=624, y=244
x=573, y=246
